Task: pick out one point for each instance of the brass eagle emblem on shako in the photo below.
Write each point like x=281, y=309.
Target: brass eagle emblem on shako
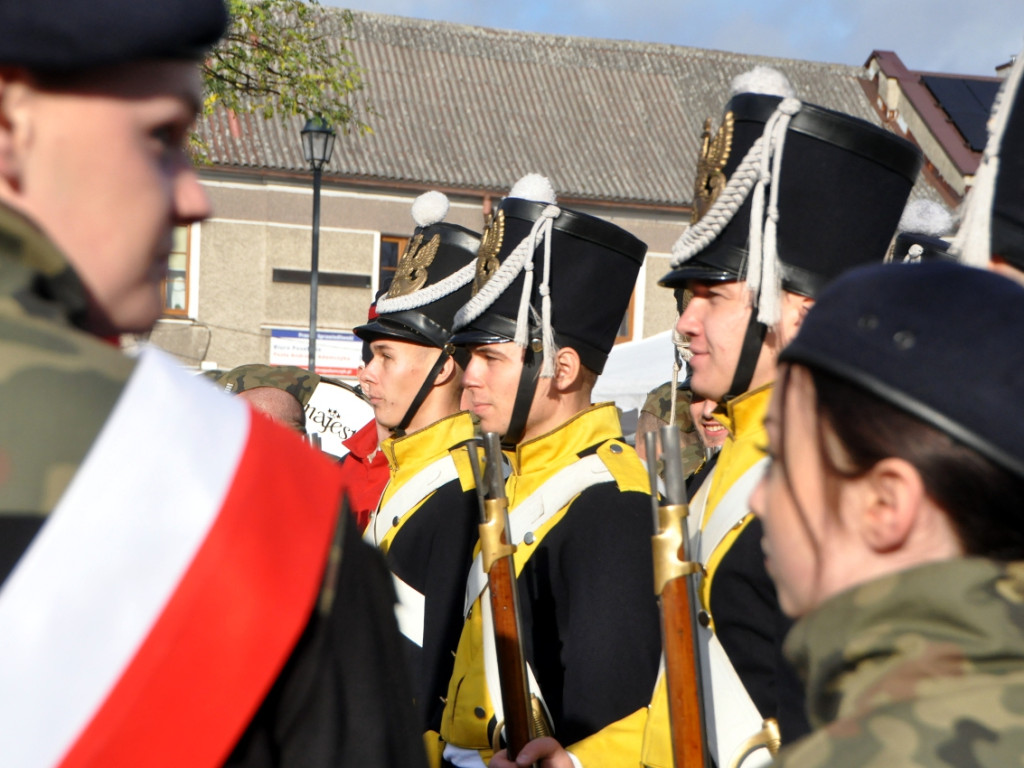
x=714, y=154
x=487, y=257
x=411, y=272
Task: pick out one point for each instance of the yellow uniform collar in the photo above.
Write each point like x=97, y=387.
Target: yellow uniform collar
x=745, y=414
x=562, y=445
x=413, y=452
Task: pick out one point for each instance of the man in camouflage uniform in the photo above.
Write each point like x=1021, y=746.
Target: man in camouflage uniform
x=923, y=673
x=656, y=412
x=164, y=589
x=280, y=391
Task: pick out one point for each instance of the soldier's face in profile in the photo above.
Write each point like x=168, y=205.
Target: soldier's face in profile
x=715, y=320
x=711, y=432
x=99, y=161
x=393, y=377
x=490, y=384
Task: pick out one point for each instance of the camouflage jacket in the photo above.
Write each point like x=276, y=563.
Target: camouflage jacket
x=922, y=668
x=339, y=700
x=57, y=383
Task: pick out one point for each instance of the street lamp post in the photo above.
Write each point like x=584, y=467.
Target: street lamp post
x=317, y=145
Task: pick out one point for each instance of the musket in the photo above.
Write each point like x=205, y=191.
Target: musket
x=524, y=717
x=676, y=587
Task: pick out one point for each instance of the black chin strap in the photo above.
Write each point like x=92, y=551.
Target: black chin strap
x=425, y=387
x=752, y=341
x=524, y=394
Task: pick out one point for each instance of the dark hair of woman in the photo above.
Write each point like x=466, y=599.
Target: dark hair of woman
x=984, y=501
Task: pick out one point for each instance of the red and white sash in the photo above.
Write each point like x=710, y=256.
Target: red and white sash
x=154, y=609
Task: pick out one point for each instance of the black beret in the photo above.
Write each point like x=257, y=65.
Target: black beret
x=936, y=339
x=71, y=35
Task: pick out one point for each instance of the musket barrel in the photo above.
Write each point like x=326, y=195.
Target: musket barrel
x=675, y=483
x=493, y=478
x=651, y=443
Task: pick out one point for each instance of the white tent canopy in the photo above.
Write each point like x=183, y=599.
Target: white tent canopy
x=634, y=369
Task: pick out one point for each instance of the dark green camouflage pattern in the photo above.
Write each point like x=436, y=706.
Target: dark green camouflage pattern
x=298, y=382
x=57, y=384
x=659, y=405
x=923, y=668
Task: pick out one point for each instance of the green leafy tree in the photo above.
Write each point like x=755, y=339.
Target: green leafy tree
x=285, y=58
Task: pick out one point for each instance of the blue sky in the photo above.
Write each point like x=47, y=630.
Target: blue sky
x=958, y=36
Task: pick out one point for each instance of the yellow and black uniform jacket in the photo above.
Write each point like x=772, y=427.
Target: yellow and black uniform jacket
x=737, y=596
x=738, y=592
x=590, y=618
x=429, y=549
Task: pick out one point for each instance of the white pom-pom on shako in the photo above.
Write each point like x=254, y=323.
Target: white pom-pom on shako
x=430, y=208
x=926, y=217
x=534, y=187
x=765, y=80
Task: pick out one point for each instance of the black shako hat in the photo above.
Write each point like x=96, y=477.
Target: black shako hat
x=72, y=35
x=1008, y=205
x=432, y=281
x=821, y=189
x=993, y=214
x=922, y=232
x=916, y=336
x=577, y=273
x=918, y=246
x=993, y=221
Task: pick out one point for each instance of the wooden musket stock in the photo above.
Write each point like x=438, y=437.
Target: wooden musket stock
x=677, y=595
x=524, y=716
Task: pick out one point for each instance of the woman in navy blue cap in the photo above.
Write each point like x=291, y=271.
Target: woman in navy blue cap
x=892, y=518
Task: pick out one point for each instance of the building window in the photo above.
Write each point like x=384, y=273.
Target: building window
x=391, y=248
x=175, y=288
x=626, y=326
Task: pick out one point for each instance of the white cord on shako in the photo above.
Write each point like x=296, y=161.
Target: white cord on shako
x=537, y=188
x=428, y=209
x=760, y=168
x=973, y=243
x=681, y=357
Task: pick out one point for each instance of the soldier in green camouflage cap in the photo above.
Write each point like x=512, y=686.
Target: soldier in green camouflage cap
x=657, y=412
x=892, y=518
x=280, y=391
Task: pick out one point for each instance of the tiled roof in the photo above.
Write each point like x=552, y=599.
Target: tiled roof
x=935, y=114
x=471, y=108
